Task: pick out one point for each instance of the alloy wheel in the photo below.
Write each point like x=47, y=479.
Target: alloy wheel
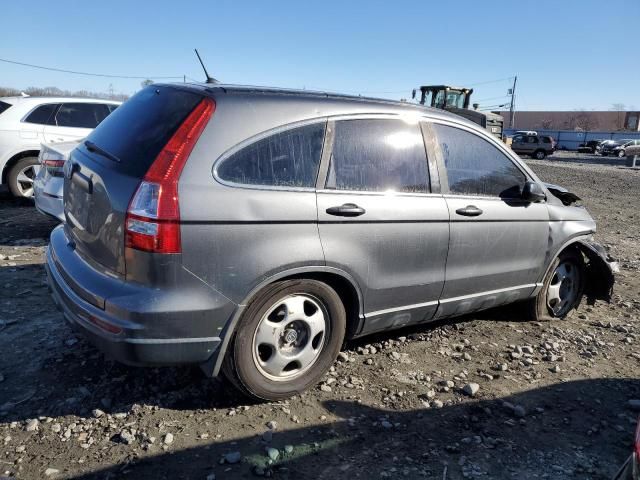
x=563, y=289
x=25, y=179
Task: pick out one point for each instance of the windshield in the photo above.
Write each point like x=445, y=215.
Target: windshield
x=455, y=99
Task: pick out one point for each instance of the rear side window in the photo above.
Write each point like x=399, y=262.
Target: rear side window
x=378, y=155
x=81, y=115
x=4, y=106
x=138, y=129
x=43, y=115
x=285, y=159
x=475, y=167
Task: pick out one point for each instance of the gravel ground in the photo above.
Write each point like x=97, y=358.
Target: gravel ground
x=487, y=396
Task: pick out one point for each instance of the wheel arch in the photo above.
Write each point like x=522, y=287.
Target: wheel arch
x=13, y=160
x=600, y=271
x=342, y=282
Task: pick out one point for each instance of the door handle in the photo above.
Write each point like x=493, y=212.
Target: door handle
x=469, y=211
x=346, y=210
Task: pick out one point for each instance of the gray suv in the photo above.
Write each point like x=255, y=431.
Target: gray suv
x=537, y=146
x=252, y=231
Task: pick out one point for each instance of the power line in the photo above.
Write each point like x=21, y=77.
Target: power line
x=85, y=73
x=491, y=81
x=492, y=98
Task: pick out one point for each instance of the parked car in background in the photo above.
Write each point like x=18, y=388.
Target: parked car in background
x=538, y=146
x=631, y=468
x=49, y=182
x=606, y=147
x=620, y=151
x=251, y=230
x=27, y=122
x=589, y=147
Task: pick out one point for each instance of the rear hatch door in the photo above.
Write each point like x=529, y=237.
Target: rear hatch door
x=105, y=170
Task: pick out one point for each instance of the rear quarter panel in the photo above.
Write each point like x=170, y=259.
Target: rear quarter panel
x=234, y=238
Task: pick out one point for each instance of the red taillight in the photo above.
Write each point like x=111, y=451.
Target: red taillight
x=106, y=326
x=153, y=216
x=53, y=163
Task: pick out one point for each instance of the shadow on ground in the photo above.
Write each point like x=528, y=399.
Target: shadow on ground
x=484, y=437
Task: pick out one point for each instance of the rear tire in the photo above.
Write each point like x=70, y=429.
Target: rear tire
x=539, y=154
x=21, y=177
x=288, y=337
x=561, y=290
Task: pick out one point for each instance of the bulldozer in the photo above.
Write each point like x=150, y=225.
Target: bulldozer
x=456, y=100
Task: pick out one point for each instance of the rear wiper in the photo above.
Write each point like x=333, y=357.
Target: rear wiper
x=92, y=147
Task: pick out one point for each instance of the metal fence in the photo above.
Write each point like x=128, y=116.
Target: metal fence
x=571, y=140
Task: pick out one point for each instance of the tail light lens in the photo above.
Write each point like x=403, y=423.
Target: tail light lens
x=52, y=161
x=153, y=216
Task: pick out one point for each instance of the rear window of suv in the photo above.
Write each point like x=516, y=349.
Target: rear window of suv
x=139, y=128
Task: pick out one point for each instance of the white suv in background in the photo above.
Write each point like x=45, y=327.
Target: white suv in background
x=26, y=122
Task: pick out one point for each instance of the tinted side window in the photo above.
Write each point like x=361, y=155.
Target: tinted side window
x=4, y=106
x=81, y=115
x=475, y=167
x=378, y=155
x=43, y=115
x=285, y=159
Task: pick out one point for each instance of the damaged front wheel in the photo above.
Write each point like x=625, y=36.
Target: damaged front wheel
x=562, y=288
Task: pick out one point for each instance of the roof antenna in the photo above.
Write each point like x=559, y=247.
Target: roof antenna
x=209, y=79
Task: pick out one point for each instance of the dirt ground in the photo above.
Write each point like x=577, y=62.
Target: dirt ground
x=553, y=399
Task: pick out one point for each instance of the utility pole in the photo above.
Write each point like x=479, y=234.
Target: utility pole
x=512, y=113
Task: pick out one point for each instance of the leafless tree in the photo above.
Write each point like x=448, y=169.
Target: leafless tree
x=546, y=124
x=570, y=122
x=619, y=108
x=586, y=122
x=58, y=92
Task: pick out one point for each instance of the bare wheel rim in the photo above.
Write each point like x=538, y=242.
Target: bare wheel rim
x=25, y=178
x=290, y=337
x=563, y=289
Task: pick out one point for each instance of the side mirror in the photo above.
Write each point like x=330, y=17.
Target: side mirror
x=533, y=192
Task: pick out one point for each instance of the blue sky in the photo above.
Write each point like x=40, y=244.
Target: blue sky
x=567, y=54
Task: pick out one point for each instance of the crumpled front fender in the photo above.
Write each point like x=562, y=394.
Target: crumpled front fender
x=600, y=271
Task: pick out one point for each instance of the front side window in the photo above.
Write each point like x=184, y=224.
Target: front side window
x=378, y=155
x=285, y=159
x=43, y=115
x=475, y=166
x=81, y=115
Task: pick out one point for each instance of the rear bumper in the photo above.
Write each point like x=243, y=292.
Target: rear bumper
x=630, y=470
x=48, y=197
x=131, y=323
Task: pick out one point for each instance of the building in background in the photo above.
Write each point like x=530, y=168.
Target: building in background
x=603, y=121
